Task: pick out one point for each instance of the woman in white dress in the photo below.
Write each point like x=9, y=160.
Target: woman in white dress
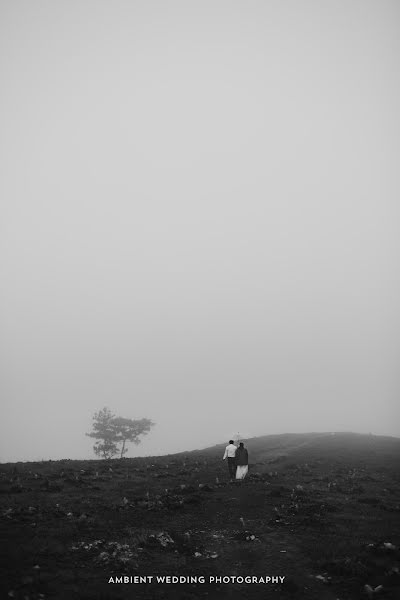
x=242, y=461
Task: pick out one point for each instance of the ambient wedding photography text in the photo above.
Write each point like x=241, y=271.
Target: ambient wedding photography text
x=181, y=579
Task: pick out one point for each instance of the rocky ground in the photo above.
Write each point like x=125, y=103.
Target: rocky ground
x=323, y=512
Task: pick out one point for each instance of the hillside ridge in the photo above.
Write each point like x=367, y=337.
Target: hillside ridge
x=275, y=447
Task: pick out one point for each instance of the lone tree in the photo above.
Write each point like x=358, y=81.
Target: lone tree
x=112, y=433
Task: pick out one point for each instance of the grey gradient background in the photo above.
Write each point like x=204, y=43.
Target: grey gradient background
x=199, y=219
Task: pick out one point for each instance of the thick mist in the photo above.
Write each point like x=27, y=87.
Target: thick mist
x=199, y=220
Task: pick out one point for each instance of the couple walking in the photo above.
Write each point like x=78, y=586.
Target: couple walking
x=238, y=460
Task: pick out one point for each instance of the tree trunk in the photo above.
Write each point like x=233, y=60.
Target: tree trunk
x=123, y=448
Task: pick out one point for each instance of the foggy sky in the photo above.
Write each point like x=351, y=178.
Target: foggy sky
x=199, y=220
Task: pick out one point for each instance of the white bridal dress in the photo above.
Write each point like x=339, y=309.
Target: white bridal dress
x=241, y=471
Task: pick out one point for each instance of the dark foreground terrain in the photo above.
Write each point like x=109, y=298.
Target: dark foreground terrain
x=320, y=510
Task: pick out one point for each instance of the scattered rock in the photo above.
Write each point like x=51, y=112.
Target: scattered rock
x=389, y=546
